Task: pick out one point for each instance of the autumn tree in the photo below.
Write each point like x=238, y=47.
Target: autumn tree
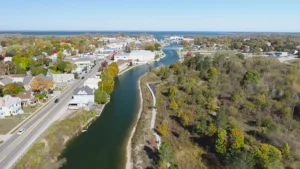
x=162, y=128
x=172, y=91
x=13, y=88
x=221, y=141
x=267, y=156
x=236, y=138
x=211, y=130
x=173, y=105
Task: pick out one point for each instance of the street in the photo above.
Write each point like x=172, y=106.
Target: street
x=13, y=148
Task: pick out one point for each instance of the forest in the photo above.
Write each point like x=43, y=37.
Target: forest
x=228, y=111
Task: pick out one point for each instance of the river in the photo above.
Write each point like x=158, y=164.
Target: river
x=103, y=146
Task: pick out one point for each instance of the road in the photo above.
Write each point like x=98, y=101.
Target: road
x=13, y=148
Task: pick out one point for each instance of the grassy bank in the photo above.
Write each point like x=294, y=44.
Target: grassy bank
x=45, y=152
x=143, y=140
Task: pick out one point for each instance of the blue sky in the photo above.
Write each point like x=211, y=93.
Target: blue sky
x=151, y=15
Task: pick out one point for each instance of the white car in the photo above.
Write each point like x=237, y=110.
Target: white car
x=21, y=131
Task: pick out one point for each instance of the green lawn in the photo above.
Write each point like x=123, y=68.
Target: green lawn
x=10, y=122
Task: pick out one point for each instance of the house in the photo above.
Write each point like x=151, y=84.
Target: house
x=17, y=77
x=5, y=81
x=92, y=83
x=10, y=106
x=27, y=99
x=60, y=78
x=82, y=97
x=84, y=62
x=26, y=82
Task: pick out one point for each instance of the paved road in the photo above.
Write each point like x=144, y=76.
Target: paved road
x=12, y=149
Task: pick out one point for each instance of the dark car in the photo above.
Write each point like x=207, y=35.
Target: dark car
x=82, y=77
x=56, y=100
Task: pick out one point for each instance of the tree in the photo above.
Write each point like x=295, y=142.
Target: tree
x=201, y=126
x=163, y=129
x=221, y=121
x=157, y=46
x=38, y=70
x=250, y=77
x=212, y=74
x=266, y=156
x=239, y=159
x=173, y=105
x=100, y=96
x=211, y=130
x=286, y=153
x=172, y=91
x=76, y=75
x=22, y=62
x=107, y=86
x=257, y=50
x=221, y=141
x=149, y=46
x=236, y=138
x=13, y=88
x=38, y=84
x=104, y=63
x=166, y=154
x=60, y=56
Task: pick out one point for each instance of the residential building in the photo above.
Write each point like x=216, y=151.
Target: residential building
x=61, y=78
x=92, y=83
x=10, y=106
x=27, y=99
x=82, y=97
x=5, y=81
x=84, y=62
x=26, y=82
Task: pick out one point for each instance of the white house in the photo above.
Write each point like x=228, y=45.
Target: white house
x=82, y=97
x=60, y=78
x=84, y=62
x=136, y=55
x=10, y=106
x=92, y=83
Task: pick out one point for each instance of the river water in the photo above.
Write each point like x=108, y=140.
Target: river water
x=103, y=146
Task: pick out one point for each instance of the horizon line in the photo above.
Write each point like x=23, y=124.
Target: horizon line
x=147, y=31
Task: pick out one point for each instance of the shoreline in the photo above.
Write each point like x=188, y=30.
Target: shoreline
x=129, y=163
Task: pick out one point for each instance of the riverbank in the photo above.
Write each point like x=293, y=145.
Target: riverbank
x=129, y=163
x=141, y=134
x=45, y=152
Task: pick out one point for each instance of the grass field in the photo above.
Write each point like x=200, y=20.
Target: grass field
x=9, y=123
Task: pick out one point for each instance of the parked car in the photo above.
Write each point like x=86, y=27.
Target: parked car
x=56, y=100
x=82, y=77
x=21, y=131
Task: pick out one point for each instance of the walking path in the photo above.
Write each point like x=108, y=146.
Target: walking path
x=154, y=112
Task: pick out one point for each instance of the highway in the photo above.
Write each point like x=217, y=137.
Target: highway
x=13, y=148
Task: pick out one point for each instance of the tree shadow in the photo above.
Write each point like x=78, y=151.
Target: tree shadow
x=251, y=123
x=175, y=134
x=212, y=161
x=152, y=154
x=204, y=142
